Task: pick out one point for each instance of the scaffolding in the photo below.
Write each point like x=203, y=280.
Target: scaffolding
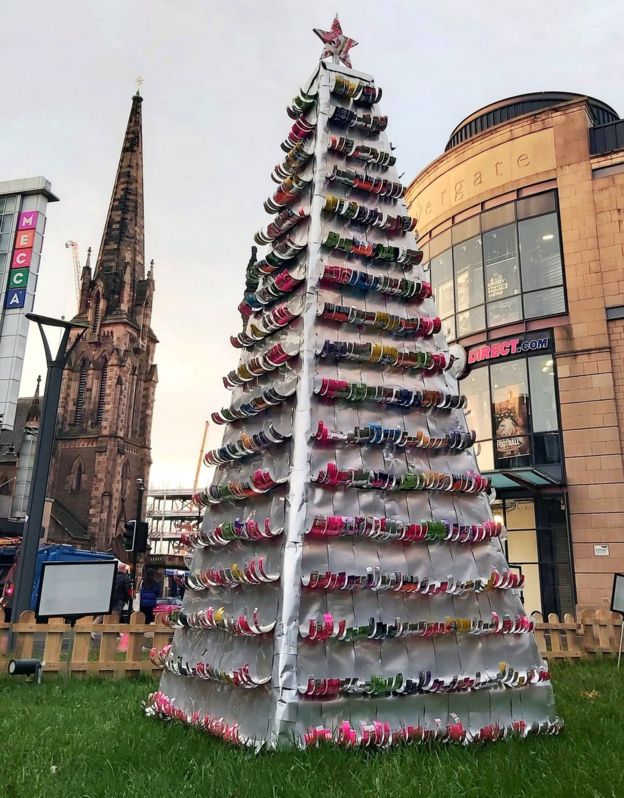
x=170, y=512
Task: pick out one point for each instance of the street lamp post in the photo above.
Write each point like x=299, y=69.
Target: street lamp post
x=43, y=456
x=140, y=490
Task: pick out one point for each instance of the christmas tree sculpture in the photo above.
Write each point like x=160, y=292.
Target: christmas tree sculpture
x=348, y=582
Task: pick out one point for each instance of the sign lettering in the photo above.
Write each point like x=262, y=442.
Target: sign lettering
x=434, y=197
x=25, y=239
x=28, y=220
x=18, y=278
x=15, y=298
x=21, y=259
x=510, y=346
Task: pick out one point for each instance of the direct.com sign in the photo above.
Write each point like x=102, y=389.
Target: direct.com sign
x=506, y=348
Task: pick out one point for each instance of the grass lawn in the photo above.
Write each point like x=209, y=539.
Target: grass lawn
x=89, y=739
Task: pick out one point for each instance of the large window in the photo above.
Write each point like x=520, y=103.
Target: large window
x=503, y=265
x=468, y=266
x=476, y=386
x=502, y=275
x=444, y=284
x=513, y=410
x=510, y=412
x=537, y=545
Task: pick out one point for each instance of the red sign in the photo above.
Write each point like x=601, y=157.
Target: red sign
x=505, y=348
x=25, y=239
x=27, y=220
x=21, y=258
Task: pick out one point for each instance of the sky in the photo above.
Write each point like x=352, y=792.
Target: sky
x=217, y=79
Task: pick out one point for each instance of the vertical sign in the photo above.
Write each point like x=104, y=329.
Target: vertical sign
x=21, y=259
x=28, y=201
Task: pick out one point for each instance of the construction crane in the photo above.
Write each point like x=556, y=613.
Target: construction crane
x=200, y=459
x=76, y=263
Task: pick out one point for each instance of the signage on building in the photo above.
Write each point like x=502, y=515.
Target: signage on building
x=27, y=200
x=21, y=259
x=508, y=347
x=499, y=166
x=511, y=421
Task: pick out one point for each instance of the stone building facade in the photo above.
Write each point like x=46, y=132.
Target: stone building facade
x=522, y=223
x=107, y=397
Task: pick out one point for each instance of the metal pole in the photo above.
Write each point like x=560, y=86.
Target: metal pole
x=201, y=457
x=41, y=467
x=620, y=648
x=140, y=491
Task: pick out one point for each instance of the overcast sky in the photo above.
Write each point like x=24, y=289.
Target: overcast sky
x=218, y=76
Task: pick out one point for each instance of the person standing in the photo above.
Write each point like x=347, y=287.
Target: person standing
x=122, y=590
x=150, y=593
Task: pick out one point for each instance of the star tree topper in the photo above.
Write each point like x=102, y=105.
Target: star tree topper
x=336, y=43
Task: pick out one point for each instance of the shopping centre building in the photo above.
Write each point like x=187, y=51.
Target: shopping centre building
x=522, y=223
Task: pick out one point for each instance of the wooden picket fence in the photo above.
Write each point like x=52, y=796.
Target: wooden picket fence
x=94, y=648
x=594, y=633
x=88, y=647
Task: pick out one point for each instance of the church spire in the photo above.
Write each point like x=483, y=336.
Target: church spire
x=121, y=260
x=34, y=411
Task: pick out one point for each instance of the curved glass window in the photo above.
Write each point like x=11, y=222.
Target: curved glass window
x=500, y=259
x=504, y=311
x=512, y=270
x=442, y=283
x=468, y=263
x=540, y=252
x=544, y=303
x=471, y=321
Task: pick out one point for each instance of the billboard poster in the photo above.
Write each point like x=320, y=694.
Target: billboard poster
x=511, y=420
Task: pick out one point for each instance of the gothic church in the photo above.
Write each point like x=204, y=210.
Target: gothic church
x=107, y=398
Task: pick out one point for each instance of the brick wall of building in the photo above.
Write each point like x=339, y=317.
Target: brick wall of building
x=589, y=350
x=589, y=417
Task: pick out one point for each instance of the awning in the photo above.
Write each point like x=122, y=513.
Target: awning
x=533, y=479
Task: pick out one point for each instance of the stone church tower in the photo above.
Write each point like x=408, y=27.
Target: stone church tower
x=107, y=398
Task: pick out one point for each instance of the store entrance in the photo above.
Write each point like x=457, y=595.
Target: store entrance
x=537, y=545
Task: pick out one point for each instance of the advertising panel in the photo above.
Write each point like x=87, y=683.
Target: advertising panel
x=511, y=421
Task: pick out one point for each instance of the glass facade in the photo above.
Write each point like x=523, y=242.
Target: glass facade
x=499, y=267
x=537, y=545
x=512, y=407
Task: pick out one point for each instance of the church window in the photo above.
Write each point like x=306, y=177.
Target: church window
x=130, y=406
x=96, y=312
x=80, y=398
x=117, y=404
x=102, y=394
x=125, y=478
x=76, y=476
x=136, y=411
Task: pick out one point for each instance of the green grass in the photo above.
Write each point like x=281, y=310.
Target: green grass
x=89, y=739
